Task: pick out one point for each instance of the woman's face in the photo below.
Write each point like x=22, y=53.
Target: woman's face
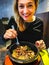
x=26, y=9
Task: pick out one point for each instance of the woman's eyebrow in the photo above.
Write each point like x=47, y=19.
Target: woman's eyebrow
x=30, y=3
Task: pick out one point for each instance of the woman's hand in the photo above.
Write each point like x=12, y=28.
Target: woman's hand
x=10, y=34
x=40, y=44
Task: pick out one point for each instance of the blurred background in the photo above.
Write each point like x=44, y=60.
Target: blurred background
x=6, y=11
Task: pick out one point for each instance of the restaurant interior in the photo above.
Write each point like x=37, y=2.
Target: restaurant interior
x=6, y=12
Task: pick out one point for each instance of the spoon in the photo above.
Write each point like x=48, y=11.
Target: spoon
x=17, y=43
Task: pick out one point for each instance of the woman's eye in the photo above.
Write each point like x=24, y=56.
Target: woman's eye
x=21, y=6
x=29, y=5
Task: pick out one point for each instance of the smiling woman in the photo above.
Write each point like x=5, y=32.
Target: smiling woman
x=27, y=27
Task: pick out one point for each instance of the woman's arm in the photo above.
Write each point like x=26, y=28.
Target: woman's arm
x=40, y=42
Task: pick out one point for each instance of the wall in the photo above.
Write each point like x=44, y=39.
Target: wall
x=43, y=6
x=6, y=8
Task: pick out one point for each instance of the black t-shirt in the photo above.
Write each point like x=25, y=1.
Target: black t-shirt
x=33, y=32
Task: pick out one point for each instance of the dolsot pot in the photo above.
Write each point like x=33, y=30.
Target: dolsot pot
x=22, y=43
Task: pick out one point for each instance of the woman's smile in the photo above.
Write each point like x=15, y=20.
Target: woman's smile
x=26, y=16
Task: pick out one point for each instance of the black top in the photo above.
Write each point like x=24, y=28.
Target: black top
x=33, y=32
x=2, y=30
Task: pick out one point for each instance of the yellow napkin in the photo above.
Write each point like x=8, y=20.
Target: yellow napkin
x=45, y=57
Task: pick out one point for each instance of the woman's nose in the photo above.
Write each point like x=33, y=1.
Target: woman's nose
x=25, y=10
